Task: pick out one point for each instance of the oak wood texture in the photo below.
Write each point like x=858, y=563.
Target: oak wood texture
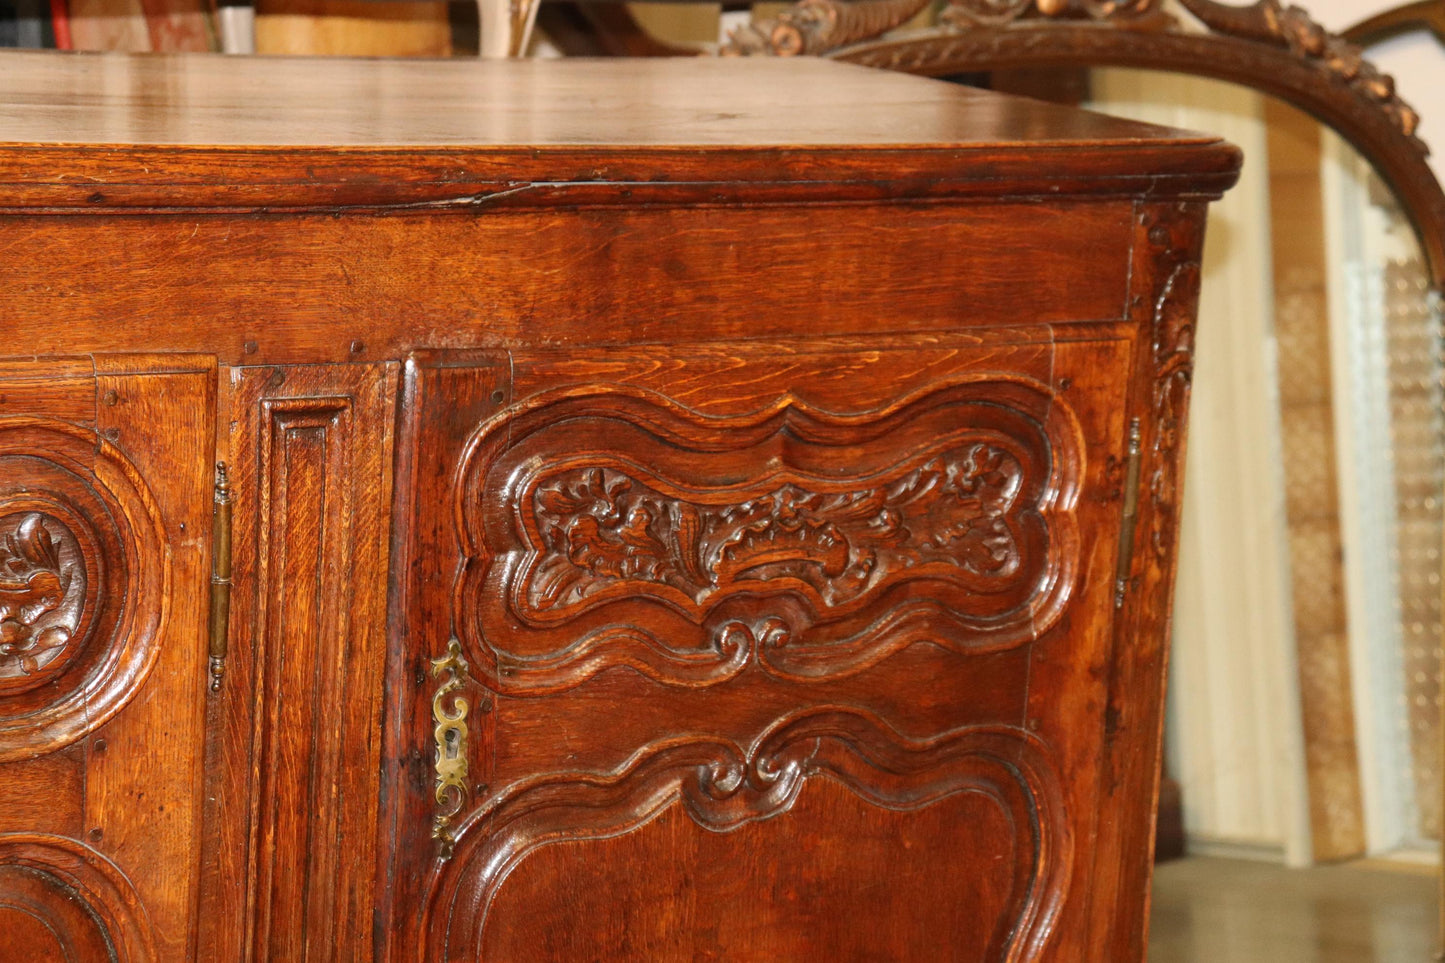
x=605, y=131
x=1268, y=46
x=653, y=568
x=293, y=786
x=631, y=104
x=122, y=797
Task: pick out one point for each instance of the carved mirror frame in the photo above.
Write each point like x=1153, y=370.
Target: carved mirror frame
x=1269, y=47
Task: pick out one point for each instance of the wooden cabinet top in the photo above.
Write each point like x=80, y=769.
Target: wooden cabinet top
x=96, y=131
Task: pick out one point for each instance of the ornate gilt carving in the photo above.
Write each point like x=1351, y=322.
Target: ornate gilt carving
x=449, y=713
x=946, y=519
x=722, y=785
x=825, y=26
x=818, y=26
x=964, y=13
x=1291, y=27
x=42, y=590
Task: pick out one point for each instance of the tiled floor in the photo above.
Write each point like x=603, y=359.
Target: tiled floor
x=1229, y=911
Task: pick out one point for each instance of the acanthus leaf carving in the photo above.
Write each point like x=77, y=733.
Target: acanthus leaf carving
x=603, y=527
x=34, y=586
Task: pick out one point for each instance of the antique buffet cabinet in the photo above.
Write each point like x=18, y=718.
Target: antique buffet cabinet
x=675, y=510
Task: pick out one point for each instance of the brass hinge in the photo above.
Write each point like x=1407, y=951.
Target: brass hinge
x=1130, y=518
x=220, y=577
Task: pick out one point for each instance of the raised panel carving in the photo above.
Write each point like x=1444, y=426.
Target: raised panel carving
x=84, y=573
x=614, y=526
x=723, y=786
x=61, y=900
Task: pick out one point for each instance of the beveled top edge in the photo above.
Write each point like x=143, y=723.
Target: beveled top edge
x=112, y=129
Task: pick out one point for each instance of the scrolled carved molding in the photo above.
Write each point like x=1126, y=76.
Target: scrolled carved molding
x=55, y=887
x=827, y=27
x=819, y=26
x=946, y=518
x=1291, y=27
x=84, y=573
x=722, y=785
x=1171, y=326
x=604, y=528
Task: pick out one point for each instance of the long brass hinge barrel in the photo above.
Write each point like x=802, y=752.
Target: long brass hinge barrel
x=1130, y=517
x=220, y=577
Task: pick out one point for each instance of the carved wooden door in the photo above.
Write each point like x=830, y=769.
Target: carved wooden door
x=105, y=507
x=772, y=651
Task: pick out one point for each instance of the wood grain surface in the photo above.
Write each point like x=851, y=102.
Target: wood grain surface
x=753, y=543
x=671, y=102
x=94, y=131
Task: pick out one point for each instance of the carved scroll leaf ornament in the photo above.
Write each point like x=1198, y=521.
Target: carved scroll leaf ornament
x=41, y=592
x=1271, y=22
x=603, y=528
x=1172, y=341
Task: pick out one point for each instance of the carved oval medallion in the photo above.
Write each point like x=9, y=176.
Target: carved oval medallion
x=83, y=570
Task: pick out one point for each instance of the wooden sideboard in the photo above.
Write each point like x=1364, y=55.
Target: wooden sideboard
x=671, y=510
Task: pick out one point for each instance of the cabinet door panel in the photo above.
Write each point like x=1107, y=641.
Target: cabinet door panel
x=772, y=889
x=105, y=501
x=298, y=711
x=704, y=646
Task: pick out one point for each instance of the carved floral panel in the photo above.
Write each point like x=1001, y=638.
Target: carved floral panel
x=609, y=526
